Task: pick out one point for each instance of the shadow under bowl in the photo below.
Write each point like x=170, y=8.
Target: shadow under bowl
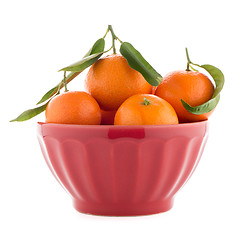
x=122, y=170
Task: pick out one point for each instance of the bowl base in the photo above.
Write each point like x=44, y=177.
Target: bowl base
x=122, y=209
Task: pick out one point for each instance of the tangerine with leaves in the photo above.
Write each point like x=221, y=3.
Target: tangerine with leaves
x=111, y=81
x=73, y=107
x=145, y=109
x=193, y=87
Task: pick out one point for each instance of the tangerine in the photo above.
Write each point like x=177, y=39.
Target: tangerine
x=193, y=87
x=73, y=107
x=111, y=81
x=145, y=109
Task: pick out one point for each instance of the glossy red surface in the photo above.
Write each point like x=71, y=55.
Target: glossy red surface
x=122, y=170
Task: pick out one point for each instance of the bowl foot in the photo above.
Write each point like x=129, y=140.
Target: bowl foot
x=123, y=209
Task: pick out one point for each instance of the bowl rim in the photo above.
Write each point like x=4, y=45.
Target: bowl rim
x=179, y=125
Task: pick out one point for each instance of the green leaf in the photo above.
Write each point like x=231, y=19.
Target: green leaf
x=91, y=57
x=84, y=63
x=30, y=113
x=97, y=47
x=54, y=90
x=137, y=62
x=204, y=108
x=49, y=94
x=218, y=78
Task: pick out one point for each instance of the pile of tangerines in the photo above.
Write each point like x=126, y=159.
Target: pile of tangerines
x=118, y=94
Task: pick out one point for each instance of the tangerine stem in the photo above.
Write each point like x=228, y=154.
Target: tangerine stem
x=114, y=37
x=146, y=102
x=64, y=82
x=188, y=59
x=110, y=28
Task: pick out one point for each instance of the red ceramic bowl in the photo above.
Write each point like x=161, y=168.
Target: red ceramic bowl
x=122, y=170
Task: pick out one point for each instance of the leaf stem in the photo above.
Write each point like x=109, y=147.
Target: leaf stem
x=193, y=68
x=106, y=33
x=119, y=40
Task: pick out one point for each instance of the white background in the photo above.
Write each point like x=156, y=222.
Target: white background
x=40, y=37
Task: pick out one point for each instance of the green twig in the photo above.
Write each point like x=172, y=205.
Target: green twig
x=64, y=82
x=188, y=59
x=113, y=38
